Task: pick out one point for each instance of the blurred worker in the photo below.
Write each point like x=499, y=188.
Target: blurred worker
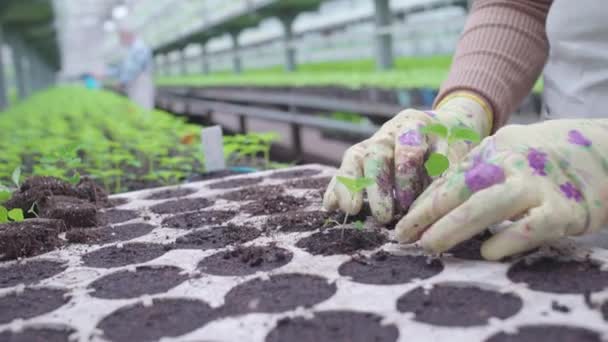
x=551, y=178
x=135, y=74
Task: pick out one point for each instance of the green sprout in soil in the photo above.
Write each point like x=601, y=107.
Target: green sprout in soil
x=354, y=186
x=437, y=163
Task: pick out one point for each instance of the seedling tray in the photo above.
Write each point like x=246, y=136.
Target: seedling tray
x=245, y=258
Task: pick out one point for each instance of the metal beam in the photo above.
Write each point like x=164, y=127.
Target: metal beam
x=290, y=50
x=236, y=52
x=204, y=58
x=18, y=55
x=384, y=37
x=3, y=87
x=183, y=62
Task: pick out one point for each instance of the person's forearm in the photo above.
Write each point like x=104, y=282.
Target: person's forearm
x=501, y=53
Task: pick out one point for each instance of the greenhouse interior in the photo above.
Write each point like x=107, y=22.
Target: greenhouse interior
x=303, y=170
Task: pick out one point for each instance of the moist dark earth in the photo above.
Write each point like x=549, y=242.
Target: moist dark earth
x=164, y=318
x=458, y=306
x=30, y=237
x=217, y=237
x=235, y=183
x=115, y=216
x=319, y=183
x=29, y=272
x=108, y=234
x=298, y=221
x=198, y=219
x=332, y=326
x=294, y=174
x=30, y=303
x=129, y=253
x=341, y=241
x=274, y=204
x=470, y=249
x=389, y=269
x=55, y=334
x=553, y=333
x=144, y=280
x=253, y=193
x=551, y=275
x=245, y=260
x=278, y=293
x=171, y=193
x=181, y=205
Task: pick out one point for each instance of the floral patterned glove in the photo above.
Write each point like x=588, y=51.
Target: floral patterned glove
x=551, y=177
x=394, y=157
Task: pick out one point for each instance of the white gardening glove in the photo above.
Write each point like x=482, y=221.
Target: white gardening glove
x=394, y=157
x=551, y=177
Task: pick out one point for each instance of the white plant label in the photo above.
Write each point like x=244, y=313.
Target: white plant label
x=213, y=148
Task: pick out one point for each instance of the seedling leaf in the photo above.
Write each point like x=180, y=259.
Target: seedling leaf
x=463, y=133
x=435, y=129
x=436, y=164
x=355, y=185
x=5, y=195
x=75, y=179
x=16, y=215
x=3, y=214
x=16, y=177
x=359, y=225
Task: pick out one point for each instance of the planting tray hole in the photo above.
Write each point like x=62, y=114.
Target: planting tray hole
x=171, y=193
x=198, y=219
x=298, y=221
x=332, y=326
x=295, y=174
x=181, y=205
x=29, y=272
x=278, y=293
x=553, y=333
x=470, y=249
x=108, y=234
x=145, y=280
x=341, y=241
x=55, y=334
x=235, y=183
x=114, y=216
x=132, y=253
x=552, y=275
x=319, y=183
x=30, y=303
x=245, y=260
x=274, y=205
x=253, y=193
x=217, y=237
x=458, y=306
x=383, y=268
x=164, y=318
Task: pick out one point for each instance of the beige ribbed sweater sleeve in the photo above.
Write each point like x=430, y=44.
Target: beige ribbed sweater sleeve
x=501, y=53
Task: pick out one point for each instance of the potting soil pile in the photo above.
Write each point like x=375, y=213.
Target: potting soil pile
x=254, y=258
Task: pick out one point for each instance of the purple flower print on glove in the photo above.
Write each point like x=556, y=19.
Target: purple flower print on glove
x=571, y=191
x=412, y=137
x=537, y=161
x=575, y=137
x=483, y=175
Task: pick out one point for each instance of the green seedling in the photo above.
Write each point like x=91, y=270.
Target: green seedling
x=14, y=215
x=354, y=186
x=16, y=176
x=437, y=163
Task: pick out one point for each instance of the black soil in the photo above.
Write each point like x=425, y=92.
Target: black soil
x=181, y=205
x=387, y=269
x=29, y=272
x=198, y=219
x=458, y=306
x=341, y=241
x=75, y=212
x=274, y=204
x=171, y=193
x=553, y=333
x=145, y=280
x=319, y=183
x=235, y=183
x=471, y=249
x=279, y=293
x=108, y=234
x=298, y=221
x=30, y=303
x=245, y=260
x=217, y=237
x=253, y=193
x=551, y=275
x=115, y=202
x=132, y=253
x=164, y=318
x=114, y=216
x=29, y=238
x=334, y=326
x=38, y=335
x=294, y=174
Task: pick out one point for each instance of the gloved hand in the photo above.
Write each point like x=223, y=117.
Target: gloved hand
x=551, y=177
x=394, y=157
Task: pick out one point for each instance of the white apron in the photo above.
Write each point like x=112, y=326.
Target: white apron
x=141, y=90
x=576, y=74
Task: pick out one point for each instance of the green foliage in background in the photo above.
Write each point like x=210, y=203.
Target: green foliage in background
x=71, y=131
x=409, y=72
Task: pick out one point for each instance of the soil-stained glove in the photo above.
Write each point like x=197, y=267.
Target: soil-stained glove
x=550, y=177
x=394, y=156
